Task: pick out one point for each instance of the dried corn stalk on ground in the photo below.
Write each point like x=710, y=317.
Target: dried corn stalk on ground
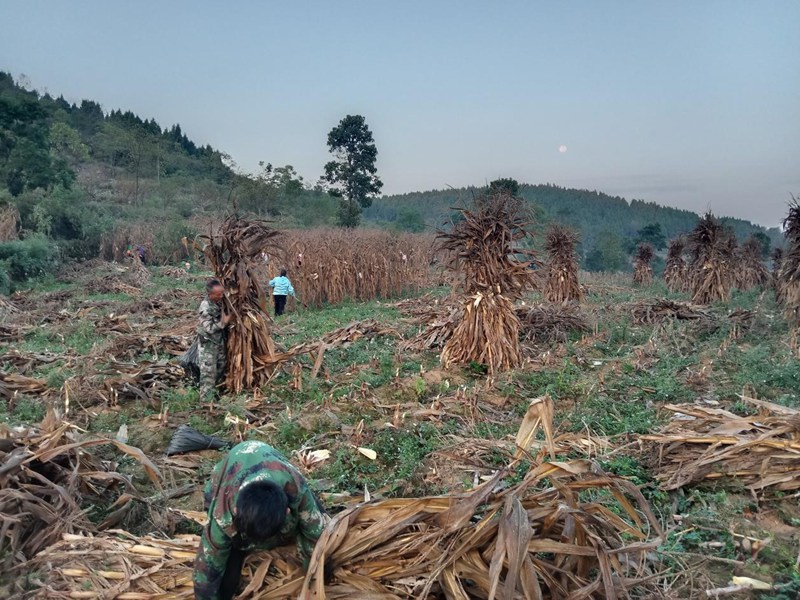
x=702, y=443
x=566, y=530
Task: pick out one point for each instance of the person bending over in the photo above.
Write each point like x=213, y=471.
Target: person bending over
x=256, y=500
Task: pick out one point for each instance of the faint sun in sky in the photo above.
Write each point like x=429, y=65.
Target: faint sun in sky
x=562, y=148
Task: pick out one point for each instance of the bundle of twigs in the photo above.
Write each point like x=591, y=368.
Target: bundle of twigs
x=790, y=266
x=775, y=275
x=710, y=269
x=762, y=451
x=750, y=270
x=565, y=531
x=675, y=272
x=232, y=253
x=551, y=322
x=46, y=474
x=562, y=270
x=642, y=271
x=481, y=248
x=660, y=310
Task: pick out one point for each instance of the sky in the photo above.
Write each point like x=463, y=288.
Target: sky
x=693, y=104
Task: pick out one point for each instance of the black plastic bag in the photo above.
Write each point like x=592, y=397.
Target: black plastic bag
x=190, y=361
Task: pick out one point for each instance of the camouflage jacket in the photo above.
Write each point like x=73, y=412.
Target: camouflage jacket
x=210, y=328
x=248, y=462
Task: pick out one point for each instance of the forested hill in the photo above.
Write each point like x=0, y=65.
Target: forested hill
x=78, y=180
x=594, y=214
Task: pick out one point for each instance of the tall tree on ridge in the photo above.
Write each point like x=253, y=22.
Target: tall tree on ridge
x=352, y=173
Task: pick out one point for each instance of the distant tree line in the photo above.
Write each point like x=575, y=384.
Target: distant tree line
x=610, y=226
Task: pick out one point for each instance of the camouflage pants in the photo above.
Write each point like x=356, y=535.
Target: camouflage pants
x=211, y=359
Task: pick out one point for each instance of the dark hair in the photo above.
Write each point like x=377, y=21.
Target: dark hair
x=283, y=272
x=260, y=510
x=211, y=284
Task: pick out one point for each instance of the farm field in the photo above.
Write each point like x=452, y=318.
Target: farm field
x=373, y=414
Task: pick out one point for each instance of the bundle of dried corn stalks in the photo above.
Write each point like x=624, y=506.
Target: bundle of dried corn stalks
x=232, y=253
x=790, y=266
x=750, y=270
x=709, y=443
x=710, y=270
x=642, y=271
x=488, y=334
x=562, y=270
x=45, y=475
x=676, y=273
x=482, y=250
x=545, y=537
x=551, y=322
x=662, y=309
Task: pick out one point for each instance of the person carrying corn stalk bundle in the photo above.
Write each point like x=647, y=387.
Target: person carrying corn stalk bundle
x=211, y=337
x=233, y=252
x=281, y=289
x=256, y=500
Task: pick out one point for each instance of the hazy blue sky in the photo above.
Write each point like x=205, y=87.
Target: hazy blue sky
x=694, y=104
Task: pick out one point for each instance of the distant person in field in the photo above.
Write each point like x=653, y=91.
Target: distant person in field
x=211, y=333
x=138, y=251
x=256, y=500
x=281, y=288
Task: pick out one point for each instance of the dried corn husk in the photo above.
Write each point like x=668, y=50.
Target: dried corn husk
x=700, y=443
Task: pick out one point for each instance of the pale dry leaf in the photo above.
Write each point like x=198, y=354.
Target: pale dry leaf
x=368, y=452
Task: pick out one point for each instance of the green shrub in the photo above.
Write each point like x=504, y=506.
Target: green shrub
x=167, y=246
x=21, y=260
x=5, y=281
